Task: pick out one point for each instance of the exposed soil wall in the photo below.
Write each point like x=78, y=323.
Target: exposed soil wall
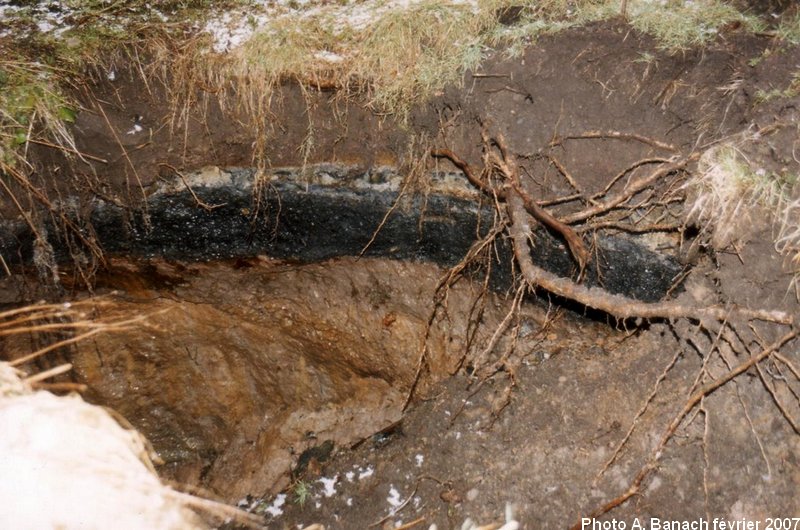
x=255, y=362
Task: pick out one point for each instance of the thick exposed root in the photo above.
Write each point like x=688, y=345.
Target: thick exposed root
x=502, y=181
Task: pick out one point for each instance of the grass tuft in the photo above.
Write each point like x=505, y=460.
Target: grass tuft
x=678, y=25
x=789, y=29
x=32, y=105
x=791, y=91
x=728, y=190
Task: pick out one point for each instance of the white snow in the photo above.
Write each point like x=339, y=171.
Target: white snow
x=329, y=485
x=58, y=454
x=233, y=28
x=366, y=473
x=275, y=508
x=394, y=497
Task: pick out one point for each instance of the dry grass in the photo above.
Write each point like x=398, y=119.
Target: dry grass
x=726, y=190
x=392, y=56
x=675, y=24
x=679, y=25
x=406, y=57
x=397, y=55
x=729, y=193
x=402, y=57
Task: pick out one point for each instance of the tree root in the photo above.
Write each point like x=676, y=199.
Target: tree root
x=615, y=135
x=520, y=208
x=501, y=180
x=635, y=486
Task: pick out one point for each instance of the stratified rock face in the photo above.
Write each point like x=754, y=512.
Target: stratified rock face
x=240, y=370
x=334, y=211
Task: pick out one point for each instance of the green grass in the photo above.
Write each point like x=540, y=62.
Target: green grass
x=789, y=30
x=32, y=104
x=791, y=91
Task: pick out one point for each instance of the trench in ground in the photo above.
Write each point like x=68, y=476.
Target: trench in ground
x=250, y=365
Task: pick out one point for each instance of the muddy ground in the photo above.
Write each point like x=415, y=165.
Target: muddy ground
x=538, y=433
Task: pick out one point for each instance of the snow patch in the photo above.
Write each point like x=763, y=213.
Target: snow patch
x=234, y=28
x=329, y=484
x=275, y=508
x=394, y=497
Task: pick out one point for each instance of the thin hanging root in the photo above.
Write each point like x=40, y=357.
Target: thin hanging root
x=386, y=216
x=124, y=151
x=441, y=300
x=789, y=364
x=501, y=328
x=777, y=400
x=20, y=319
x=635, y=485
x=588, y=135
x=37, y=194
x=509, y=169
x=202, y=204
x=638, y=415
x=66, y=149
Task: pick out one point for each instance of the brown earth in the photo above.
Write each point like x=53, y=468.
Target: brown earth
x=193, y=384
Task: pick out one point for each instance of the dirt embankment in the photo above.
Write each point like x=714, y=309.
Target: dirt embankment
x=583, y=406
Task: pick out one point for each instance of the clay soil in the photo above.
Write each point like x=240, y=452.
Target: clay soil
x=540, y=436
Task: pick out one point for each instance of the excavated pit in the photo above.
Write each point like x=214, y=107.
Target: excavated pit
x=243, y=366
x=278, y=348
x=268, y=336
